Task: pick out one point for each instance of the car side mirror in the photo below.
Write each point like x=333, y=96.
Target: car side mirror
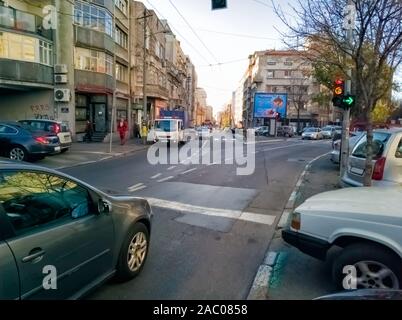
x=104, y=206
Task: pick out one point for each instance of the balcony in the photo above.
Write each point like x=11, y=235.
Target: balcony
x=85, y=37
x=94, y=82
x=21, y=71
x=23, y=22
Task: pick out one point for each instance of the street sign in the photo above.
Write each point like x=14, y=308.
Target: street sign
x=219, y=4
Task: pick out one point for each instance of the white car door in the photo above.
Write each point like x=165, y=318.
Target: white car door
x=393, y=169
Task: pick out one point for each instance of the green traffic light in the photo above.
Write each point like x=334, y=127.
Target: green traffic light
x=349, y=100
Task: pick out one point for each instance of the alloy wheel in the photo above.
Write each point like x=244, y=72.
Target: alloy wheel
x=17, y=154
x=375, y=275
x=137, y=251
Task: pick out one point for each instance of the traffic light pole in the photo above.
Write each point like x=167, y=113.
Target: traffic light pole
x=346, y=113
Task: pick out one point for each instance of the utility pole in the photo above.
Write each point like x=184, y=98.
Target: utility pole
x=349, y=25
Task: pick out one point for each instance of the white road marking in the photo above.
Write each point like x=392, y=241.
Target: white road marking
x=156, y=176
x=166, y=179
x=171, y=168
x=188, y=171
x=214, y=212
x=135, y=186
x=137, y=189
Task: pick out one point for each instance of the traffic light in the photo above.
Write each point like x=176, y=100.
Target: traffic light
x=348, y=102
x=339, y=90
x=219, y=4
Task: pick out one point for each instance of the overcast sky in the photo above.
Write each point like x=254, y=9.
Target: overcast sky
x=252, y=22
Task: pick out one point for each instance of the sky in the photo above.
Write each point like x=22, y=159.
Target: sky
x=221, y=36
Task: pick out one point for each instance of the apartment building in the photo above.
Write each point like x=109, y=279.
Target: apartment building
x=191, y=85
x=286, y=72
x=200, y=106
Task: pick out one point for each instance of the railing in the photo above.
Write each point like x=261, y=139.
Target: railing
x=14, y=19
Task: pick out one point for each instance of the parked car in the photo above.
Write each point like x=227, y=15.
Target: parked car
x=312, y=134
x=51, y=222
x=59, y=128
x=286, y=131
x=336, y=146
x=262, y=131
x=22, y=143
x=387, y=162
x=365, y=223
x=328, y=132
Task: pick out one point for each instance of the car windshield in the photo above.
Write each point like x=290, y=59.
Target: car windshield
x=165, y=125
x=311, y=130
x=380, y=140
x=327, y=129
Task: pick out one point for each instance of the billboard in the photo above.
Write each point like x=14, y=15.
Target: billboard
x=270, y=105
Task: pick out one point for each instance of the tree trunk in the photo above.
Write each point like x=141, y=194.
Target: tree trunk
x=368, y=173
x=298, y=120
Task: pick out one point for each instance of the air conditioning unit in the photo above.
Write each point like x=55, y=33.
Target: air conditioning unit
x=60, y=68
x=60, y=78
x=62, y=95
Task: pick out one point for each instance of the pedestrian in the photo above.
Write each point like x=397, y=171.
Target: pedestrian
x=144, y=132
x=122, y=128
x=136, y=130
x=88, y=131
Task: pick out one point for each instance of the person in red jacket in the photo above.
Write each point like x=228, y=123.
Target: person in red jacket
x=122, y=128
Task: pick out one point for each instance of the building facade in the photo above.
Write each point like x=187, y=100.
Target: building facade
x=200, y=106
x=285, y=72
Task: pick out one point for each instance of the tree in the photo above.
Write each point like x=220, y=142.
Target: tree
x=375, y=54
x=382, y=111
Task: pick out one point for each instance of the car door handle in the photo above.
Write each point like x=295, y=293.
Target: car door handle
x=34, y=256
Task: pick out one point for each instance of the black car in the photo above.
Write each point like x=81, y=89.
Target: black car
x=23, y=143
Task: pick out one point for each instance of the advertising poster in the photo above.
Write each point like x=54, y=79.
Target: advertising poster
x=270, y=105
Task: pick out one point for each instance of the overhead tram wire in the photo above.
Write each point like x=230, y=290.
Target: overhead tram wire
x=195, y=33
x=178, y=33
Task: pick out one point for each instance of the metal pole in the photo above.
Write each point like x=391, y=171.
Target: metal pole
x=346, y=113
x=114, y=92
x=144, y=71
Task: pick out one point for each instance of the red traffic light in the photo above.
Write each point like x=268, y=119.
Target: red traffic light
x=339, y=82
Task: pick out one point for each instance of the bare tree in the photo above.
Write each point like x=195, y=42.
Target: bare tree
x=375, y=54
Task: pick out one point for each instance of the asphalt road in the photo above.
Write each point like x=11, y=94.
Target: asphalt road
x=212, y=227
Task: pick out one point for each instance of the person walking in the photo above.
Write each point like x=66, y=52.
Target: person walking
x=122, y=128
x=144, y=132
x=88, y=131
x=136, y=130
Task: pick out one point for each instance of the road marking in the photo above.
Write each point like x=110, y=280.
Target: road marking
x=214, y=212
x=156, y=176
x=171, y=168
x=137, y=189
x=188, y=171
x=135, y=186
x=166, y=179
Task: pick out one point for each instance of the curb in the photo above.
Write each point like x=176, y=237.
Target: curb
x=259, y=289
x=119, y=155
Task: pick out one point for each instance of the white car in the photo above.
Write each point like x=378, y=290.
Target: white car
x=365, y=222
x=312, y=134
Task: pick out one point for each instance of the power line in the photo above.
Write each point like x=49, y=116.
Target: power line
x=195, y=33
x=177, y=32
x=224, y=63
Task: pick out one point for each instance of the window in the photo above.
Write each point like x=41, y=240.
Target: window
x=288, y=63
x=122, y=5
x=271, y=63
x=25, y=21
x=25, y=48
x=121, y=72
x=399, y=150
x=7, y=17
x=380, y=141
x=121, y=38
x=288, y=73
x=92, y=60
x=32, y=200
x=270, y=74
x=93, y=17
x=7, y=130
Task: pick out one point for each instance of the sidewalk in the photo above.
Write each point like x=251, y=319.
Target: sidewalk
x=297, y=275
x=287, y=273
x=84, y=153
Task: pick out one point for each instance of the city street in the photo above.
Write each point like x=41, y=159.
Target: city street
x=211, y=227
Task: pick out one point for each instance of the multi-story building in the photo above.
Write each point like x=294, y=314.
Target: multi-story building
x=287, y=72
x=201, y=104
x=191, y=85
x=209, y=114
x=27, y=57
x=147, y=26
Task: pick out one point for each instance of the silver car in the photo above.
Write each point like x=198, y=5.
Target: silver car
x=387, y=163
x=60, y=237
x=312, y=134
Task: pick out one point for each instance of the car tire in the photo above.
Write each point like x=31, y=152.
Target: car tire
x=65, y=150
x=374, y=257
x=136, y=236
x=18, y=153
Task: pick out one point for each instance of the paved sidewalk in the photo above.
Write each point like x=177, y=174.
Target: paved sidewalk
x=297, y=276
x=83, y=153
